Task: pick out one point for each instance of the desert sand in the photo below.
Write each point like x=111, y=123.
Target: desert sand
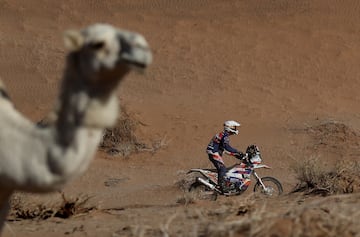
x=286, y=70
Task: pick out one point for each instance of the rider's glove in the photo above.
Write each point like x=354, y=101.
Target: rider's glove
x=240, y=155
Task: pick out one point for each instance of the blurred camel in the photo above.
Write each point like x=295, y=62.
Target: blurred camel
x=43, y=158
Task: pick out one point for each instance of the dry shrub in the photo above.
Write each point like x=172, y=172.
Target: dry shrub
x=332, y=216
x=240, y=218
x=184, y=180
x=21, y=209
x=348, y=173
x=313, y=178
x=122, y=140
x=194, y=221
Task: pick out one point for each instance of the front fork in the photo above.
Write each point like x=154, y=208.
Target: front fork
x=260, y=181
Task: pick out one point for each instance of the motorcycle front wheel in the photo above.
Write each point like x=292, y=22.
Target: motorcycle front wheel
x=198, y=191
x=273, y=187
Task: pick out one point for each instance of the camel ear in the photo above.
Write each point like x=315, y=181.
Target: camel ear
x=73, y=40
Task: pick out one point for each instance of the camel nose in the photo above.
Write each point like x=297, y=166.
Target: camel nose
x=134, y=49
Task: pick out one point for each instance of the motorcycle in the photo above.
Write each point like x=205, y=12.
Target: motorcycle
x=238, y=178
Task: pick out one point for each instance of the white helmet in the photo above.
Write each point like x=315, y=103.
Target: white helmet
x=230, y=126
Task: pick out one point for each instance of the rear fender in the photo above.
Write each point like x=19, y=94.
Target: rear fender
x=202, y=171
x=194, y=170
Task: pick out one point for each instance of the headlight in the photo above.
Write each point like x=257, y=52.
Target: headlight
x=256, y=159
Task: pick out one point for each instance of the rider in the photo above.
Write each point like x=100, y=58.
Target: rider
x=219, y=144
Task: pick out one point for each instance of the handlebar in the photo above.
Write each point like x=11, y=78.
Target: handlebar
x=242, y=156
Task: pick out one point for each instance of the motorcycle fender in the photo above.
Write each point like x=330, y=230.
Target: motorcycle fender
x=194, y=170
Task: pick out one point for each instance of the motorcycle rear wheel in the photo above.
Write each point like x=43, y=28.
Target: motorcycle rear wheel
x=273, y=187
x=199, y=191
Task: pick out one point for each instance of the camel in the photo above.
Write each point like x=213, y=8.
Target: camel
x=42, y=159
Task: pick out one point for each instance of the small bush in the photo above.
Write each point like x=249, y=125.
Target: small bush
x=348, y=173
x=122, y=140
x=313, y=178
x=21, y=209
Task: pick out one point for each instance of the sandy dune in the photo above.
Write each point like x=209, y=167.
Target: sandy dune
x=287, y=70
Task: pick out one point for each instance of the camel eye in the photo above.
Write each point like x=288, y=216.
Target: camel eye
x=97, y=45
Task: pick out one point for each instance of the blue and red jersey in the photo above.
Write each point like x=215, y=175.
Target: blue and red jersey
x=220, y=143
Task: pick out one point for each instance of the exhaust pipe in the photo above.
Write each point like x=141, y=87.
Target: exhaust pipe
x=207, y=184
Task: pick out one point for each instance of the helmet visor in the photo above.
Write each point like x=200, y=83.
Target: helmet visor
x=233, y=129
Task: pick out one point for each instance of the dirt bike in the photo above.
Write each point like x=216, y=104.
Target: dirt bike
x=238, y=178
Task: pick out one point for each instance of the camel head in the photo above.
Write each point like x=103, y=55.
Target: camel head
x=102, y=51
x=99, y=57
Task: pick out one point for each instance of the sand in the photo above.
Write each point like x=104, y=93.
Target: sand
x=286, y=70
